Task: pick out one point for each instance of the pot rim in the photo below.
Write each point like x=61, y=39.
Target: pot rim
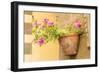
x=71, y=35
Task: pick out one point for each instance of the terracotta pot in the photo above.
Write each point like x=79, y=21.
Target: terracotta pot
x=69, y=44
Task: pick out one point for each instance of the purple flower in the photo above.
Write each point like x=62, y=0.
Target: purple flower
x=50, y=23
x=77, y=24
x=46, y=20
x=41, y=41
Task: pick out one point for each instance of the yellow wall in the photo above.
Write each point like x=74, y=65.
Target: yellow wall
x=51, y=50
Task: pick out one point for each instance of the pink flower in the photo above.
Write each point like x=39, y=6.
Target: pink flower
x=77, y=24
x=50, y=23
x=34, y=23
x=46, y=20
x=41, y=41
x=65, y=22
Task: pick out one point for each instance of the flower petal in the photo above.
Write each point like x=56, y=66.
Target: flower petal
x=46, y=20
x=41, y=41
x=50, y=23
x=77, y=24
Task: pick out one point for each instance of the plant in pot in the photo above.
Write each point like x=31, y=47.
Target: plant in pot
x=67, y=35
x=44, y=32
x=69, y=38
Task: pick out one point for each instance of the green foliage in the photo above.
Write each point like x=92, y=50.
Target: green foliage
x=52, y=32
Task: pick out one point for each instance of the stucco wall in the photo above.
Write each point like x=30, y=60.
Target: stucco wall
x=51, y=50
